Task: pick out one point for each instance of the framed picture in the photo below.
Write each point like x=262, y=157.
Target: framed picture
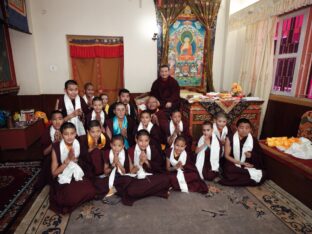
x=7, y=74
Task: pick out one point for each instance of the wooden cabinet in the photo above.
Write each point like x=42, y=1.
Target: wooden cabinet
x=196, y=113
x=21, y=138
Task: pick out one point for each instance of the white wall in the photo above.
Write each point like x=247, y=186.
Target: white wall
x=52, y=20
x=237, y=5
x=234, y=51
x=220, y=45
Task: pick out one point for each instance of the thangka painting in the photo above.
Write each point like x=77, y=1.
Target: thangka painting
x=7, y=74
x=186, y=48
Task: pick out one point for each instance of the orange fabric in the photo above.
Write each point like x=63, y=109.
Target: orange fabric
x=106, y=74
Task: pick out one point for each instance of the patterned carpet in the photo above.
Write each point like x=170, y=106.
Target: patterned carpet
x=264, y=209
x=16, y=186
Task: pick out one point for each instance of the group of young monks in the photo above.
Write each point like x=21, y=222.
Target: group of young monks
x=94, y=151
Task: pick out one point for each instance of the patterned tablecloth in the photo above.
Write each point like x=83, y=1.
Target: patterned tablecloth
x=198, y=112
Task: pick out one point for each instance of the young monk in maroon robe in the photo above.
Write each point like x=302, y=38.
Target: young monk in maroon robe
x=244, y=164
x=73, y=107
x=92, y=150
x=208, y=151
x=156, y=136
x=177, y=127
x=182, y=172
x=89, y=94
x=67, y=193
x=116, y=165
x=146, y=163
x=51, y=135
x=97, y=113
x=104, y=97
x=121, y=124
x=158, y=117
x=167, y=90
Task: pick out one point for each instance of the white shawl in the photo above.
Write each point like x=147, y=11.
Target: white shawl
x=129, y=109
x=102, y=115
x=70, y=108
x=52, y=133
x=180, y=174
x=121, y=158
x=86, y=99
x=141, y=174
x=149, y=127
x=255, y=174
x=72, y=169
x=223, y=135
x=172, y=128
x=214, y=155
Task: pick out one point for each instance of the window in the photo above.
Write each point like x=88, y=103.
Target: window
x=289, y=41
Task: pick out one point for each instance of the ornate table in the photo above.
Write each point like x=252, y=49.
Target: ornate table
x=198, y=112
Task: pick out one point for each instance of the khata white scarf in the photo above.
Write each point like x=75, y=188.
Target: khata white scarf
x=172, y=128
x=214, y=155
x=52, y=133
x=180, y=174
x=70, y=108
x=121, y=158
x=102, y=115
x=223, y=135
x=86, y=99
x=149, y=127
x=255, y=174
x=129, y=109
x=72, y=169
x=141, y=174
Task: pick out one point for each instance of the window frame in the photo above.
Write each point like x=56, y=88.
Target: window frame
x=298, y=55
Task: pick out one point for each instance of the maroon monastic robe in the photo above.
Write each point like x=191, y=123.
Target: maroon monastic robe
x=157, y=161
x=153, y=185
x=45, y=175
x=84, y=107
x=239, y=176
x=121, y=182
x=208, y=174
x=64, y=198
x=88, y=119
x=166, y=91
x=156, y=136
x=92, y=164
x=192, y=178
x=162, y=121
x=185, y=133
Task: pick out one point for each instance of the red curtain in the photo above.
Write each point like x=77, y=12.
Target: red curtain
x=99, y=61
x=96, y=51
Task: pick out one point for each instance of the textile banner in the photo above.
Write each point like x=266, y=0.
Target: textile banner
x=186, y=48
x=7, y=74
x=16, y=15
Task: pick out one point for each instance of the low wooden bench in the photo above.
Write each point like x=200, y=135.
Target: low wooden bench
x=292, y=174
